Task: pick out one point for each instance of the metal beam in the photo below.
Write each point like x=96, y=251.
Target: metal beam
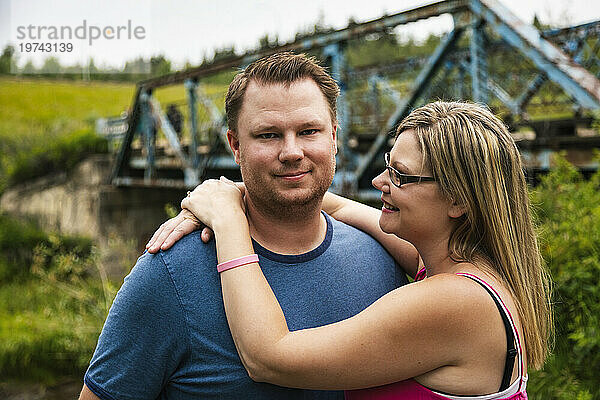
x=190, y=88
x=574, y=79
x=403, y=110
x=148, y=128
x=552, y=64
x=343, y=184
x=315, y=41
x=122, y=158
x=478, y=62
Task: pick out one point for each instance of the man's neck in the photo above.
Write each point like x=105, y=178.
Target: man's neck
x=285, y=234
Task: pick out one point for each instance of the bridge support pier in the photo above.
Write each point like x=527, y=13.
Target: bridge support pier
x=80, y=203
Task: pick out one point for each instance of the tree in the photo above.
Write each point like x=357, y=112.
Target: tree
x=266, y=42
x=568, y=208
x=6, y=59
x=29, y=68
x=51, y=66
x=92, y=69
x=224, y=53
x=159, y=65
x=137, y=66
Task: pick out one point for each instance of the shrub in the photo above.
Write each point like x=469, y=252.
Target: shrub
x=17, y=241
x=61, y=155
x=52, y=304
x=48, y=329
x=23, y=245
x=569, y=216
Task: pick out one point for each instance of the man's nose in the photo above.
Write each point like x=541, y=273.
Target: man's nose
x=291, y=150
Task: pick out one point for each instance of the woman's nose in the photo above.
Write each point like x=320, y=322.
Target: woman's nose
x=380, y=182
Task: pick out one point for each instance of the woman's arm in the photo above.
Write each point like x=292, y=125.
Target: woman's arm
x=340, y=208
x=404, y=334
x=366, y=219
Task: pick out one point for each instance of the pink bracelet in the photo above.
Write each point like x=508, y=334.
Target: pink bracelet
x=237, y=262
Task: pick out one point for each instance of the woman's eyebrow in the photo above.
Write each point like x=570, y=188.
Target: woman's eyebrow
x=400, y=166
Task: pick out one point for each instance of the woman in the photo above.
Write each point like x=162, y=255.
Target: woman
x=479, y=313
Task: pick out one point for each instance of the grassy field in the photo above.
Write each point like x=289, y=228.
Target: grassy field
x=49, y=124
x=33, y=108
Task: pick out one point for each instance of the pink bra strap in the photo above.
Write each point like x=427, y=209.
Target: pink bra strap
x=511, y=319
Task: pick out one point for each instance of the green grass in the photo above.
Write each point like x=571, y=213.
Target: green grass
x=54, y=297
x=47, y=333
x=48, y=125
x=30, y=108
x=44, y=116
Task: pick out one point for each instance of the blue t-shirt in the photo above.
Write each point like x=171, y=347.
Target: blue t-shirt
x=166, y=335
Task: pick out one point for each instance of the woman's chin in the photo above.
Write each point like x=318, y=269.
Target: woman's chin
x=385, y=225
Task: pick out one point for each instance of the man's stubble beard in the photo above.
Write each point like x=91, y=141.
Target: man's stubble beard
x=268, y=201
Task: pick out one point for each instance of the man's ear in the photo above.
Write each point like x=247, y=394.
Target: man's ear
x=234, y=144
x=456, y=210
x=334, y=134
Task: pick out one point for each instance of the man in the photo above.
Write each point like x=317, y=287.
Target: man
x=166, y=335
x=175, y=119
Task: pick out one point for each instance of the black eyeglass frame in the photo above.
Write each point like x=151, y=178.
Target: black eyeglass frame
x=399, y=179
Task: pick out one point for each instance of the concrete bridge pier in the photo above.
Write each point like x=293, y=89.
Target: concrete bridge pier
x=81, y=203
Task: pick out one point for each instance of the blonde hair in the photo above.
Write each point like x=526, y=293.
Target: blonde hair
x=477, y=164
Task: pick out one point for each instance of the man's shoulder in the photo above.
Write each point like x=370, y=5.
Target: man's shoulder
x=344, y=232
x=190, y=250
x=350, y=240
x=188, y=259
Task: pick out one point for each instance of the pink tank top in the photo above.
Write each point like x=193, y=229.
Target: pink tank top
x=410, y=389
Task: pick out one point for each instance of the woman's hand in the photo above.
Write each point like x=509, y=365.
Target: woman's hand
x=215, y=201
x=174, y=229
x=183, y=224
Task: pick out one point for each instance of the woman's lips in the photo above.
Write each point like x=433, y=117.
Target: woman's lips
x=387, y=207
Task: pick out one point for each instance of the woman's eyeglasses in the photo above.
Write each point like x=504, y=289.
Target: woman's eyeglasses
x=399, y=179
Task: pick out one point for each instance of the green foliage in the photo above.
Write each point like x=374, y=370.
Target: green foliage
x=596, y=121
x=385, y=47
x=569, y=214
x=61, y=155
x=50, y=317
x=17, y=241
x=159, y=65
x=7, y=60
x=48, y=124
x=24, y=248
x=49, y=327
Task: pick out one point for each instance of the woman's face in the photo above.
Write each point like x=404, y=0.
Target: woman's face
x=415, y=211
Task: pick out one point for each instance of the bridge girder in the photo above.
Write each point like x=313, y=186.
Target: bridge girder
x=553, y=57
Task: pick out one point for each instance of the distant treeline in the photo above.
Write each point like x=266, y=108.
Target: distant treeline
x=383, y=47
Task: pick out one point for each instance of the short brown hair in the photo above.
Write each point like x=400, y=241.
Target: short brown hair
x=285, y=68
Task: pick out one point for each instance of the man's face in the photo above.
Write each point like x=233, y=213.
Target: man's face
x=285, y=145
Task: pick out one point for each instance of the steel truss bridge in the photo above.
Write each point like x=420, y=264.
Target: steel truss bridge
x=489, y=56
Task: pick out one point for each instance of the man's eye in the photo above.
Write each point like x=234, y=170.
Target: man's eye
x=309, y=132
x=267, y=136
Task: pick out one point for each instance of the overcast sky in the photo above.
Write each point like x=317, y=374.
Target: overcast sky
x=186, y=30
